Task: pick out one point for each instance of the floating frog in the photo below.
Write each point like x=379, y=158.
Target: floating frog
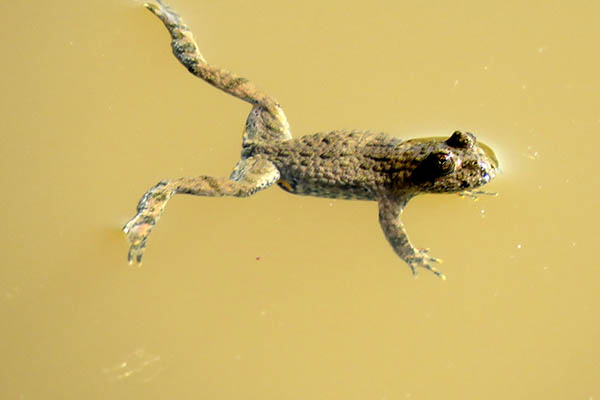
x=339, y=164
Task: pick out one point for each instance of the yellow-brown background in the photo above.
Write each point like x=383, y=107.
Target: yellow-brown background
x=94, y=110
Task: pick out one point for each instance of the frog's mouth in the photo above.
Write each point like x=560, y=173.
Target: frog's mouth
x=490, y=154
x=490, y=166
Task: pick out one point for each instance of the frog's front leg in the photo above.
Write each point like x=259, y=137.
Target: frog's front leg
x=390, y=211
x=473, y=194
x=249, y=176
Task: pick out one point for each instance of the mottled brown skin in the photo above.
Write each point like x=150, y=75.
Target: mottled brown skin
x=338, y=164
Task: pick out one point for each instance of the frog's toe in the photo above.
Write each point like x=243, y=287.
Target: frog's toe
x=474, y=194
x=152, y=7
x=135, y=254
x=163, y=11
x=137, y=233
x=431, y=268
x=423, y=260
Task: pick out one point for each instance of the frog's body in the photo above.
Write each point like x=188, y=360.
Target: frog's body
x=339, y=164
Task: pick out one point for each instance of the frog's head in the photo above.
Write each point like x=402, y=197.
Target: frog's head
x=453, y=165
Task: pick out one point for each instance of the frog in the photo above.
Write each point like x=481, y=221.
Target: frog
x=339, y=164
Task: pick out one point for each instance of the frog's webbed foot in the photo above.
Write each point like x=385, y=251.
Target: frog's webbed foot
x=164, y=12
x=137, y=231
x=473, y=194
x=421, y=259
x=149, y=210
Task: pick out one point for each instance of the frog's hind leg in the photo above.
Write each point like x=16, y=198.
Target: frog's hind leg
x=266, y=121
x=249, y=176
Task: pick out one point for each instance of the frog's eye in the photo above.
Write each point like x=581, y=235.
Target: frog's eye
x=439, y=163
x=461, y=140
x=442, y=162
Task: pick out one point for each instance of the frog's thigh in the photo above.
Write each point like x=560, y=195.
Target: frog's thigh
x=254, y=174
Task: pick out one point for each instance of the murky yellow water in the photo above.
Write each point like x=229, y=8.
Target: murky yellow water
x=285, y=297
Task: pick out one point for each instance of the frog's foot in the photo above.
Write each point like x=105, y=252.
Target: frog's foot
x=149, y=210
x=164, y=12
x=137, y=231
x=423, y=260
x=161, y=10
x=472, y=194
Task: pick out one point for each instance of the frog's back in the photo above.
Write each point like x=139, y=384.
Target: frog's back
x=338, y=164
